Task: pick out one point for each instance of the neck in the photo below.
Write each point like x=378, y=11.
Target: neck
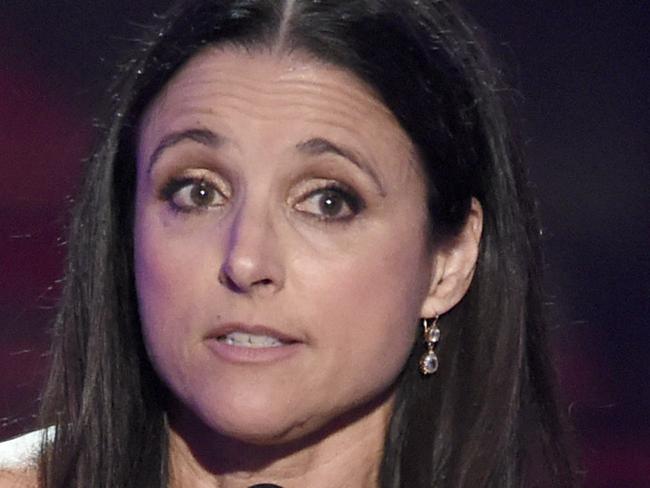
x=345, y=454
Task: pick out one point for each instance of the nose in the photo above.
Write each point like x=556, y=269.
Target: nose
x=252, y=262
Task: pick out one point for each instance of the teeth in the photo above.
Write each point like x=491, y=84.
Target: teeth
x=242, y=339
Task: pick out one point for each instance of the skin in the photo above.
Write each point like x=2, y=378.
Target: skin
x=23, y=478
x=247, y=236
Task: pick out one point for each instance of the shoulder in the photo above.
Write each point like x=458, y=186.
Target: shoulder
x=21, y=451
x=18, y=457
x=19, y=478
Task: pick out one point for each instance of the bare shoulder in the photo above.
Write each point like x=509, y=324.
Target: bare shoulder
x=19, y=460
x=19, y=478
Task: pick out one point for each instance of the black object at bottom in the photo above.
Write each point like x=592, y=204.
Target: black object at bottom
x=265, y=485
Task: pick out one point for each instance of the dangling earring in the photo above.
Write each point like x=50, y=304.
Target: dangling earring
x=431, y=335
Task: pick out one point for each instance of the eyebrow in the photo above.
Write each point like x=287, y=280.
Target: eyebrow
x=202, y=136
x=318, y=146
x=313, y=147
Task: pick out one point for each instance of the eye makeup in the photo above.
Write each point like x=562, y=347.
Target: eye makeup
x=330, y=202
x=192, y=194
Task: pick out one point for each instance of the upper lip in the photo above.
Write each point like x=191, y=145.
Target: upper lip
x=227, y=328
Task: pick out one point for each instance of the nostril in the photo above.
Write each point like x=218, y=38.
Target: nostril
x=265, y=281
x=228, y=282
x=242, y=285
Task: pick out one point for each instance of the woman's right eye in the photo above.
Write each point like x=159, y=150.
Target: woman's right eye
x=191, y=194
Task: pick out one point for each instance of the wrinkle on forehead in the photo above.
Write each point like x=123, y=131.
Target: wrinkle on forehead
x=252, y=82
x=291, y=75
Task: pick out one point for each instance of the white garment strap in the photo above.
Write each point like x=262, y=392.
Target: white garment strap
x=21, y=451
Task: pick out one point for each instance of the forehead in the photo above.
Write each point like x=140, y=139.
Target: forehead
x=230, y=86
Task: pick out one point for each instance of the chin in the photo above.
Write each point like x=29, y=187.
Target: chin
x=267, y=435
x=254, y=419
x=264, y=421
x=262, y=430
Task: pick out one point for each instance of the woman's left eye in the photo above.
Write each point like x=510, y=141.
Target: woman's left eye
x=190, y=194
x=330, y=203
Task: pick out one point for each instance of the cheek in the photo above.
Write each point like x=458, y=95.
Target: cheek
x=166, y=285
x=157, y=268
x=386, y=287
x=369, y=304
x=173, y=264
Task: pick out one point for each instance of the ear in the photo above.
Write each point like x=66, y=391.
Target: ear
x=453, y=265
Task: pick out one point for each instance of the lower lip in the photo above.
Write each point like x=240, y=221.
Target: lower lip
x=239, y=354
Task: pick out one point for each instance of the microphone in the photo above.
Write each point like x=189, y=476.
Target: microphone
x=265, y=485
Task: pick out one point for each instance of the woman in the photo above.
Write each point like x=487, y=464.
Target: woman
x=293, y=203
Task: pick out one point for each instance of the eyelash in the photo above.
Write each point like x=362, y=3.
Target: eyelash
x=350, y=198
x=171, y=189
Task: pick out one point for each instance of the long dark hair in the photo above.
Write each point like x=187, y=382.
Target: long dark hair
x=488, y=418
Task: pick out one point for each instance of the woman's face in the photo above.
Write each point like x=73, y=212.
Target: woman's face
x=281, y=252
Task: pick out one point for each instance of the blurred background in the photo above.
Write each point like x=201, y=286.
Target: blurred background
x=580, y=73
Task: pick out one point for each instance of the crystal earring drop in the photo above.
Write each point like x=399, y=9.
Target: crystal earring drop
x=431, y=335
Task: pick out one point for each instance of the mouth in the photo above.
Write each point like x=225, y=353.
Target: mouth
x=253, y=341
x=251, y=337
x=239, y=343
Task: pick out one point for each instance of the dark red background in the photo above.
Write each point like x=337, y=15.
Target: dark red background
x=581, y=73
